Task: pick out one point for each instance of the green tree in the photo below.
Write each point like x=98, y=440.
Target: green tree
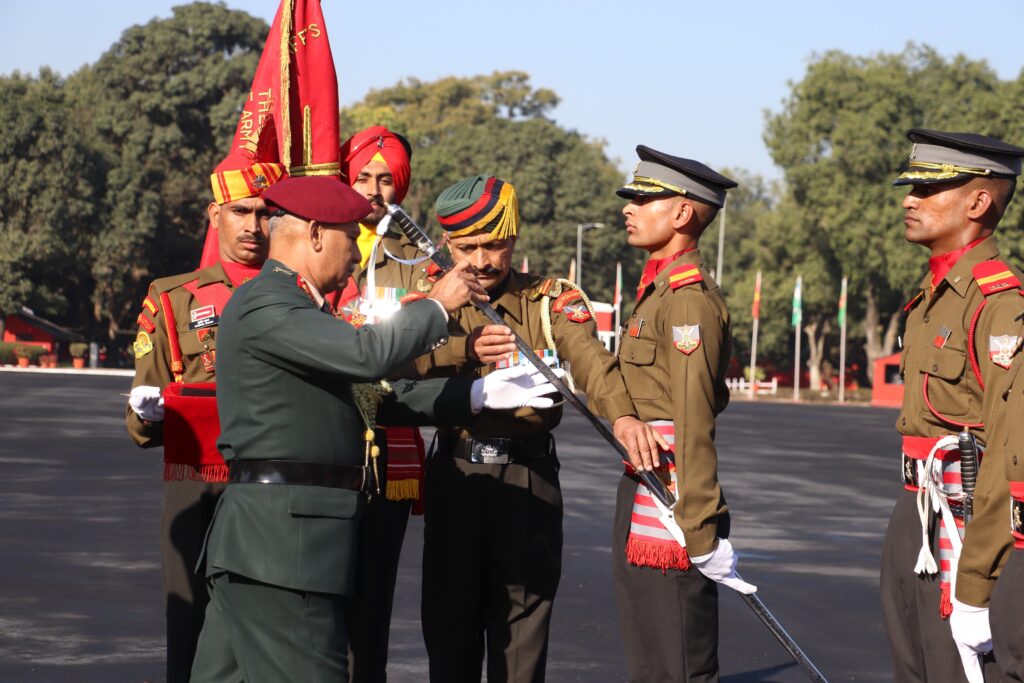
x=499, y=124
x=47, y=200
x=840, y=141
x=159, y=109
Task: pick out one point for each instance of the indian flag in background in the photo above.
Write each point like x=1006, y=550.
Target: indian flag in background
x=842, y=305
x=526, y=264
x=755, y=309
x=798, y=312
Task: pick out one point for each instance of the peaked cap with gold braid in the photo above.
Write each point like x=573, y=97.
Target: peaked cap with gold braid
x=479, y=203
x=942, y=157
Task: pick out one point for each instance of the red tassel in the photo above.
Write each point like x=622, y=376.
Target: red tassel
x=176, y=471
x=946, y=604
x=662, y=556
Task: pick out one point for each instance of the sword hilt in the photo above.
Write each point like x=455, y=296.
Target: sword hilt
x=968, y=447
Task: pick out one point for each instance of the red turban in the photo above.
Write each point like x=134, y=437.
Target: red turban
x=394, y=149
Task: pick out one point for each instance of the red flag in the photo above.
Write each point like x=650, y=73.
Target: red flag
x=755, y=309
x=289, y=124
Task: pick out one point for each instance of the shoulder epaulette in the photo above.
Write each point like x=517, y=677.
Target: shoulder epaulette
x=686, y=274
x=914, y=302
x=550, y=287
x=994, y=276
x=166, y=284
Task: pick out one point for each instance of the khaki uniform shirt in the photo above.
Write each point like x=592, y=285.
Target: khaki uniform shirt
x=935, y=347
x=520, y=302
x=153, y=350
x=674, y=353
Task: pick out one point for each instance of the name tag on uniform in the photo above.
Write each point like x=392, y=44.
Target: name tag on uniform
x=204, y=316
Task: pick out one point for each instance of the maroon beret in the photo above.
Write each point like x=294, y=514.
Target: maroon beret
x=317, y=198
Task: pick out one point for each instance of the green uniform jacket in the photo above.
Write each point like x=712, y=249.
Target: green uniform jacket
x=687, y=388
x=285, y=370
x=153, y=352
x=954, y=392
x=520, y=302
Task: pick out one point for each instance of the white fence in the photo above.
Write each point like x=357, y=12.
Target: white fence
x=741, y=385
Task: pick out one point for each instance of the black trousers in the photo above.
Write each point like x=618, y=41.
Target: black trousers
x=669, y=620
x=919, y=638
x=492, y=559
x=259, y=633
x=187, y=513
x=368, y=612
x=1005, y=616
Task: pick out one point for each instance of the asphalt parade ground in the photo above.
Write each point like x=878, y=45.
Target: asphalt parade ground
x=810, y=488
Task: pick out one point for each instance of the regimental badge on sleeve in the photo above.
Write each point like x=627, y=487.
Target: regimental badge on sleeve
x=576, y=313
x=686, y=338
x=143, y=344
x=1002, y=348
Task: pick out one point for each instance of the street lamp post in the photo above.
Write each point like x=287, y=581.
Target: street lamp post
x=580, y=229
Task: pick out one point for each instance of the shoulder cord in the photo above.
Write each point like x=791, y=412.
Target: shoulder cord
x=929, y=495
x=177, y=366
x=545, y=321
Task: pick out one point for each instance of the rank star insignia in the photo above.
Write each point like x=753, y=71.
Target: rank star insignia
x=142, y=345
x=686, y=338
x=1001, y=349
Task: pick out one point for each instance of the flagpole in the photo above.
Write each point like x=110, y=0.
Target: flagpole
x=618, y=304
x=756, y=314
x=719, y=275
x=842, y=343
x=798, y=323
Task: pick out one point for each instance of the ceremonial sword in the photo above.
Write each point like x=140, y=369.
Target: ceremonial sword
x=968, y=447
x=657, y=488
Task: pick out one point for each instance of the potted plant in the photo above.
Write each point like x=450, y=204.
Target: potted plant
x=23, y=352
x=78, y=352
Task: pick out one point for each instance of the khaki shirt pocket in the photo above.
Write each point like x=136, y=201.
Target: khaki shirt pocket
x=947, y=390
x=637, y=358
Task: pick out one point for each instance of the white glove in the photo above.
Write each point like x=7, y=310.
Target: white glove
x=972, y=635
x=147, y=403
x=720, y=565
x=519, y=386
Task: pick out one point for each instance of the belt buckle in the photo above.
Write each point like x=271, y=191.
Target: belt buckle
x=910, y=471
x=489, y=451
x=1017, y=517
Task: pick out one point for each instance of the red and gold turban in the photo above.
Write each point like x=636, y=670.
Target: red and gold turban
x=377, y=143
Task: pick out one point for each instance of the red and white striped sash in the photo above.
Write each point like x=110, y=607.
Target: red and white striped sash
x=649, y=543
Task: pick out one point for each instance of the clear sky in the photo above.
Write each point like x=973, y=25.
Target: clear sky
x=690, y=79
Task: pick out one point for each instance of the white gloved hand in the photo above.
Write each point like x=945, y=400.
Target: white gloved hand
x=720, y=565
x=519, y=386
x=972, y=635
x=147, y=403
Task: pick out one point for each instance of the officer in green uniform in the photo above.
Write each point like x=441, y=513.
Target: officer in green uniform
x=298, y=395
x=674, y=354
x=493, y=539
x=177, y=344
x=957, y=347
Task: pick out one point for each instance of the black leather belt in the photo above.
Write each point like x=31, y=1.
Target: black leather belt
x=910, y=472
x=298, y=473
x=499, y=451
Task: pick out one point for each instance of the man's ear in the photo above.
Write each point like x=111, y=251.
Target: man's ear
x=213, y=212
x=316, y=235
x=981, y=201
x=683, y=214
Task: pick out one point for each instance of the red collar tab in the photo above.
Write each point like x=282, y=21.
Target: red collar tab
x=684, y=275
x=940, y=265
x=654, y=267
x=914, y=302
x=994, y=276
